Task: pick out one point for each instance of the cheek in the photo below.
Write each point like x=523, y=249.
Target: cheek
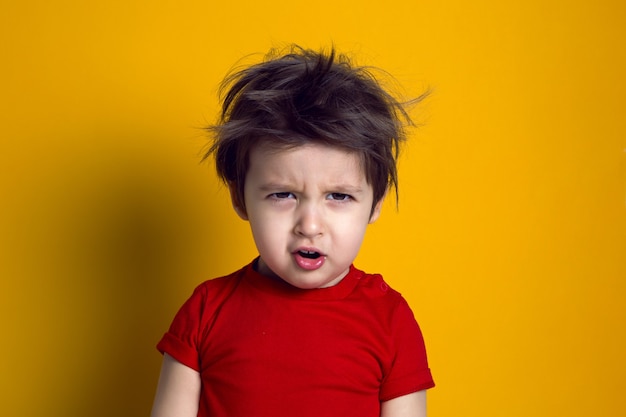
x=267, y=229
x=352, y=230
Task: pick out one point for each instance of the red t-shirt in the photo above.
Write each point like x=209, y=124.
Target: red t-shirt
x=264, y=348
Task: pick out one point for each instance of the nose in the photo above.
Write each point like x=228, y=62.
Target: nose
x=309, y=221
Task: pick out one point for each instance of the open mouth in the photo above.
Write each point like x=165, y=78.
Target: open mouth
x=309, y=260
x=309, y=254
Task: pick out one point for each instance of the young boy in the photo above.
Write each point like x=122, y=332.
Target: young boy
x=307, y=145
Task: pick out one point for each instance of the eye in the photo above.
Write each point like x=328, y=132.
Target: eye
x=282, y=195
x=339, y=197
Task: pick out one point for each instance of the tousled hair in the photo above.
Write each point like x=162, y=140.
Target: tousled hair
x=301, y=97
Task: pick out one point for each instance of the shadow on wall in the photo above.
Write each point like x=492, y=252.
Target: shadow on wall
x=110, y=241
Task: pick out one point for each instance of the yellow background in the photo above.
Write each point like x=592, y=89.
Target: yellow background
x=509, y=242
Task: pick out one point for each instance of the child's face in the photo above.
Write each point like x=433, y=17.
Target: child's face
x=308, y=208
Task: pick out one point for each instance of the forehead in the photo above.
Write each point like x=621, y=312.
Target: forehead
x=311, y=159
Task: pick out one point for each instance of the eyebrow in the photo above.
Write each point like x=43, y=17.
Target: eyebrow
x=338, y=188
x=346, y=189
x=273, y=186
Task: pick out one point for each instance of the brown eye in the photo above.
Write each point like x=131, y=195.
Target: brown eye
x=282, y=195
x=339, y=196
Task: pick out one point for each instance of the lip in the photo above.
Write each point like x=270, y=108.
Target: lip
x=308, y=249
x=309, y=263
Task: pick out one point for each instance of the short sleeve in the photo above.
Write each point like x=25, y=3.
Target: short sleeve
x=182, y=339
x=192, y=324
x=409, y=369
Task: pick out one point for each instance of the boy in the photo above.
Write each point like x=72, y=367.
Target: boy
x=307, y=145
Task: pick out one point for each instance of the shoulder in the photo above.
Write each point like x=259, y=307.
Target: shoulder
x=374, y=287
x=385, y=302
x=208, y=296
x=215, y=286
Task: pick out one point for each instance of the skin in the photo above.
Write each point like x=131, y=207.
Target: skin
x=308, y=209
x=314, y=199
x=178, y=391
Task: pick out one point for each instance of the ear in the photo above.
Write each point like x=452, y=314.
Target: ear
x=237, y=205
x=376, y=211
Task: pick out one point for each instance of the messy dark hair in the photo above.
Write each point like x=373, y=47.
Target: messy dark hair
x=303, y=96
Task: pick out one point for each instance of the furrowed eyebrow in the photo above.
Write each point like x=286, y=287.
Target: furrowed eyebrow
x=273, y=186
x=332, y=188
x=346, y=189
